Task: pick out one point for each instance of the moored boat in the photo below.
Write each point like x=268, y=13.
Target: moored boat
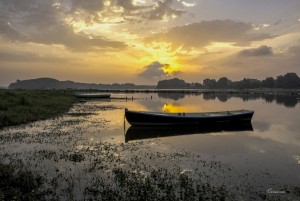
x=141, y=118
x=92, y=95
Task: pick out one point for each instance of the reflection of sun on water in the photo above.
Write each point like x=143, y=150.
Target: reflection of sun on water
x=169, y=107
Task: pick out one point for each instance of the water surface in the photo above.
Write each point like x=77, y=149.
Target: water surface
x=254, y=158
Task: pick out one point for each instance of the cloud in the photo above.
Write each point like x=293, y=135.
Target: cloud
x=259, y=63
x=23, y=56
x=186, y=4
x=97, y=10
x=163, y=10
x=258, y=27
x=50, y=22
x=43, y=22
x=88, y=5
x=8, y=32
x=294, y=50
x=257, y=52
x=201, y=34
x=156, y=71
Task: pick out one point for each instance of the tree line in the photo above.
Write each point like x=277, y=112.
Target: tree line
x=287, y=81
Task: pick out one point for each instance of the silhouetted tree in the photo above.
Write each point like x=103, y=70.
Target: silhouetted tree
x=223, y=82
x=289, y=80
x=209, y=83
x=198, y=85
x=269, y=82
x=174, y=83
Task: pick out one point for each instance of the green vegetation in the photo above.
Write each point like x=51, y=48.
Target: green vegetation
x=17, y=183
x=21, y=106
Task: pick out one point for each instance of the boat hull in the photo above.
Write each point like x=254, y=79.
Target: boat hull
x=168, y=119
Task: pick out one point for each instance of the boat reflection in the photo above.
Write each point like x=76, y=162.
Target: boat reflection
x=143, y=132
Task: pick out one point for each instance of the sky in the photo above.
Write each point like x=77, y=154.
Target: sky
x=143, y=41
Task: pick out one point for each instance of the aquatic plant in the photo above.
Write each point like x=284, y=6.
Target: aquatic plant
x=18, y=183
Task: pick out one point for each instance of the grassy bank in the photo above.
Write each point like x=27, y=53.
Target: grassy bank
x=22, y=106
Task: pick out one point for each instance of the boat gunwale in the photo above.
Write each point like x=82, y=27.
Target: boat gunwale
x=199, y=115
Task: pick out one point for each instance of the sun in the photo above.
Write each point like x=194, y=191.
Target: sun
x=162, y=53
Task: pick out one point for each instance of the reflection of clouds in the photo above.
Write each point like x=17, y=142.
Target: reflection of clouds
x=297, y=157
x=258, y=149
x=172, y=96
x=261, y=126
x=279, y=133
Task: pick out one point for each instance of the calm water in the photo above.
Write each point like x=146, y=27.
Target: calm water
x=260, y=156
x=272, y=147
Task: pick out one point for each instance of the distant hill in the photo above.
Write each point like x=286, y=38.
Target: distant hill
x=50, y=83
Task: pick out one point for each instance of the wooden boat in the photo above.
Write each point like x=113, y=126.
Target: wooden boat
x=136, y=118
x=148, y=132
x=92, y=95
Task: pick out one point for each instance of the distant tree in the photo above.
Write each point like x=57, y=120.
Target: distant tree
x=198, y=85
x=247, y=83
x=223, y=82
x=269, y=82
x=174, y=83
x=209, y=83
x=289, y=80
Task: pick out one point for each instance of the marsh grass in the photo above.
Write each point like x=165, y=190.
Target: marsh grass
x=159, y=185
x=22, y=106
x=18, y=183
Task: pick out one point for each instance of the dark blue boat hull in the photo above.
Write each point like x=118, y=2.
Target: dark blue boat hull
x=147, y=119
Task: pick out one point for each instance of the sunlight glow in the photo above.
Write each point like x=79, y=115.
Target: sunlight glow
x=169, y=107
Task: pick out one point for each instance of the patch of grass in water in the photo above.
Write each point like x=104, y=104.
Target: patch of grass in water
x=76, y=157
x=158, y=185
x=17, y=183
x=22, y=106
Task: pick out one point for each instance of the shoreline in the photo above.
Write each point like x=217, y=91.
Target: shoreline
x=294, y=92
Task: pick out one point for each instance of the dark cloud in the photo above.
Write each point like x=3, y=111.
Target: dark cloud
x=160, y=10
x=155, y=71
x=21, y=56
x=163, y=10
x=294, y=50
x=62, y=34
x=205, y=32
x=257, y=52
x=88, y=5
x=9, y=33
